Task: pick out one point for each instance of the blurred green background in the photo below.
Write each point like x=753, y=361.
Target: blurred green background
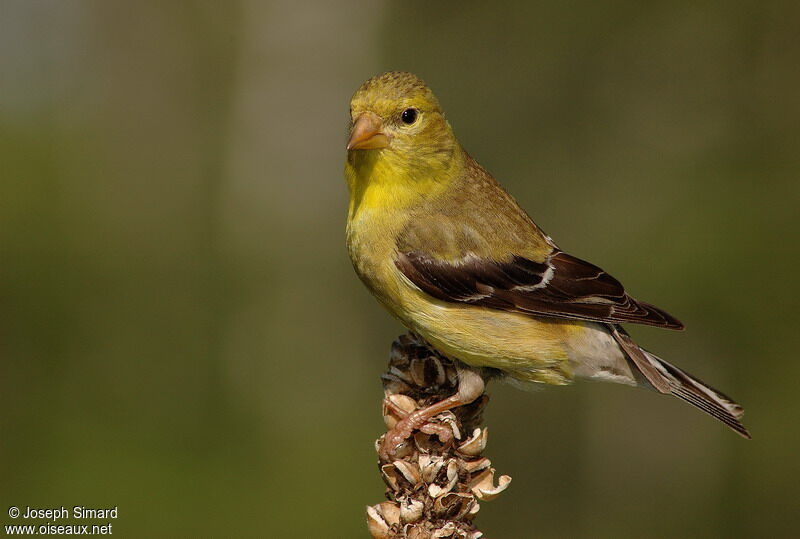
x=182, y=335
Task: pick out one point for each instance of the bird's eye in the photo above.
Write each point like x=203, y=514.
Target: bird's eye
x=409, y=116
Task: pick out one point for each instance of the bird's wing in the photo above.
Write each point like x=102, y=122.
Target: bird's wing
x=477, y=246
x=561, y=286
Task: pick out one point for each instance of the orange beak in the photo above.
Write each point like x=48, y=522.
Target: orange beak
x=367, y=133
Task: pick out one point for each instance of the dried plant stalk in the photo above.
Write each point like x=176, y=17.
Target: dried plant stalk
x=437, y=479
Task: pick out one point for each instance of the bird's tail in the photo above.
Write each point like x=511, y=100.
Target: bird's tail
x=667, y=378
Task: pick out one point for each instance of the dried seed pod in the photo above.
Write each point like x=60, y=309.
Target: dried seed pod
x=392, y=386
x=416, y=531
x=417, y=371
x=400, y=374
x=411, y=510
x=482, y=485
x=436, y=477
x=447, y=531
x=425, y=443
x=453, y=505
x=430, y=465
x=427, y=372
x=452, y=375
x=390, y=512
x=380, y=519
x=446, y=481
x=410, y=471
x=475, y=444
x=473, y=510
x=390, y=476
x=472, y=466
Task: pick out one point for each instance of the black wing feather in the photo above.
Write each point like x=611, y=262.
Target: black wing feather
x=563, y=286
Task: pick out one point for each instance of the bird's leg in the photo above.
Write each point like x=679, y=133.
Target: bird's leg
x=470, y=387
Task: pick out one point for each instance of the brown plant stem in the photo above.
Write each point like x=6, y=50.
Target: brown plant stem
x=436, y=480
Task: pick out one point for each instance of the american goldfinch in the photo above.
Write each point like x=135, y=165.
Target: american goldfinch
x=452, y=255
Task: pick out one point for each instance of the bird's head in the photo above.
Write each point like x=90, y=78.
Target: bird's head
x=395, y=117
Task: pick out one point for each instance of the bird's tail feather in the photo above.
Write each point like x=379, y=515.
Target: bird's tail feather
x=667, y=378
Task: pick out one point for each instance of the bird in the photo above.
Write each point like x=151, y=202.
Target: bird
x=452, y=255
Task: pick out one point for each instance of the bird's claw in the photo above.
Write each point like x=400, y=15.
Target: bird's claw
x=443, y=432
x=396, y=439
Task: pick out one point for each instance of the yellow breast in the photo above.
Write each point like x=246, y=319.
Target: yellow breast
x=527, y=348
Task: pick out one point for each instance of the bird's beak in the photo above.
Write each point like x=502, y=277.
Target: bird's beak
x=367, y=133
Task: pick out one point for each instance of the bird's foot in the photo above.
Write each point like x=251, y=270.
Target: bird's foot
x=398, y=436
x=470, y=387
x=421, y=420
